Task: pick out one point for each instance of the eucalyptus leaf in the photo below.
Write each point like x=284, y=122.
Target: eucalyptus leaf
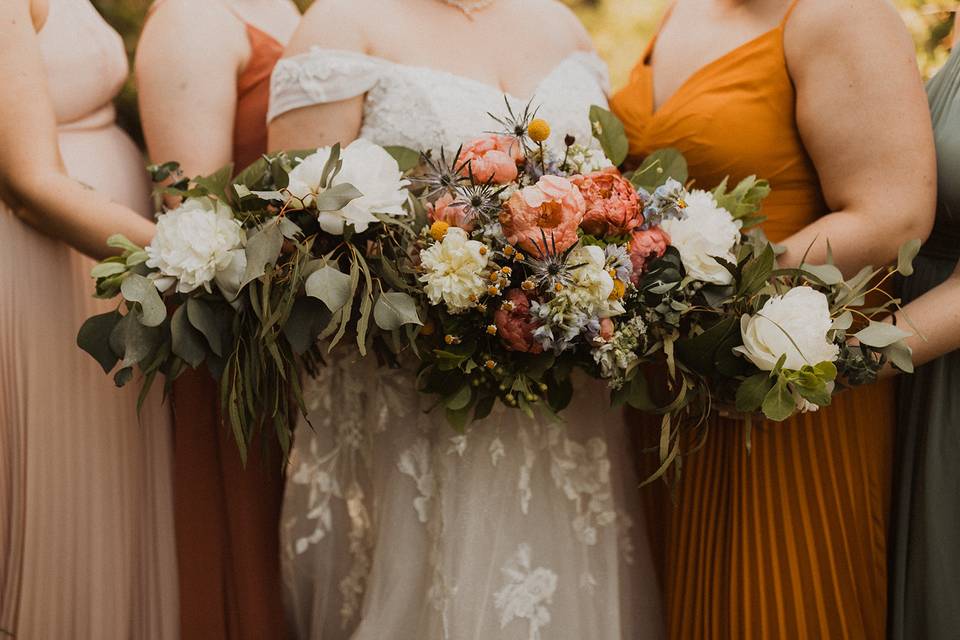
x=307, y=320
x=136, y=288
x=900, y=355
x=204, y=319
x=107, y=269
x=186, y=342
x=119, y=241
x=395, y=309
x=406, y=158
x=94, y=338
x=752, y=392
x=908, y=252
x=609, y=131
x=825, y=273
x=329, y=285
x=263, y=248
x=336, y=197
x=123, y=376
x=880, y=334
x=133, y=340
x=842, y=322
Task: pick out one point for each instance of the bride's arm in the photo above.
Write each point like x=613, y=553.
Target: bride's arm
x=864, y=119
x=331, y=24
x=33, y=181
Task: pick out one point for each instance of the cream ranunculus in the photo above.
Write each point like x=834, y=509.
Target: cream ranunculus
x=366, y=166
x=198, y=243
x=705, y=231
x=592, y=284
x=453, y=271
x=798, y=319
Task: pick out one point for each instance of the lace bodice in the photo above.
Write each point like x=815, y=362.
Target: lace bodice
x=424, y=108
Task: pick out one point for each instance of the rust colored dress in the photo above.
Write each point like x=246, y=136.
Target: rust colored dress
x=789, y=541
x=227, y=516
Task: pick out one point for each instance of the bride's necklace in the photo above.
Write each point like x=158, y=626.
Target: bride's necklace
x=468, y=7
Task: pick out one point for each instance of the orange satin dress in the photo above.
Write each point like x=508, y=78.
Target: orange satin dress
x=788, y=541
x=228, y=516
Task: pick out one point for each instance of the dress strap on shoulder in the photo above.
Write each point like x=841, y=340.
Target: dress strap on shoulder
x=786, y=16
x=321, y=76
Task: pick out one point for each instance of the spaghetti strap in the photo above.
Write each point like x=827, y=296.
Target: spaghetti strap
x=786, y=16
x=645, y=59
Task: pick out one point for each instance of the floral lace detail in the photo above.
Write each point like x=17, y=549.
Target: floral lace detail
x=415, y=462
x=527, y=593
x=444, y=118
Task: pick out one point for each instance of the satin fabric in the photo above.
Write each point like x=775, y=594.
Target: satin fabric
x=86, y=511
x=228, y=514
x=925, y=563
x=788, y=541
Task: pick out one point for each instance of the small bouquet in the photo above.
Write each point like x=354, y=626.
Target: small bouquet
x=248, y=275
x=737, y=332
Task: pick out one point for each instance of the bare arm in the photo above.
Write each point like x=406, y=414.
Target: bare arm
x=936, y=315
x=187, y=63
x=864, y=119
x=33, y=181
x=323, y=124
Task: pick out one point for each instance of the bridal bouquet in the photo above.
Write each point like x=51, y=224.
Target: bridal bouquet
x=535, y=262
x=249, y=275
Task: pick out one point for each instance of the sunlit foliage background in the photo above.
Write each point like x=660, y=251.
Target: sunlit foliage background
x=620, y=28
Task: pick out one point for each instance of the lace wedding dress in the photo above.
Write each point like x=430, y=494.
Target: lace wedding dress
x=395, y=527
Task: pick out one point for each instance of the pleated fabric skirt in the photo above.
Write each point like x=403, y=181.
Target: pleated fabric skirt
x=86, y=526
x=787, y=541
x=925, y=533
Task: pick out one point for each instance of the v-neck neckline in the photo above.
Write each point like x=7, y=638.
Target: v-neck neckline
x=656, y=110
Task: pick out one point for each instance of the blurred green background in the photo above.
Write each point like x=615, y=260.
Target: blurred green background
x=620, y=28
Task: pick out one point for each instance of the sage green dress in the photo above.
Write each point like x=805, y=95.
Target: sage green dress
x=925, y=544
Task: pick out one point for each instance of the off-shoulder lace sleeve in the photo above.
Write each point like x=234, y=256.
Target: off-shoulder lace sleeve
x=596, y=66
x=321, y=76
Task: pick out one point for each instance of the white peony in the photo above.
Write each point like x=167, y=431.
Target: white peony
x=799, y=318
x=453, y=271
x=367, y=167
x=198, y=243
x=592, y=283
x=705, y=231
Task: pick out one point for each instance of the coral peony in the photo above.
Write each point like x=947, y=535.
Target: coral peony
x=514, y=324
x=646, y=245
x=550, y=210
x=493, y=157
x=455, y=215
x=613, y=206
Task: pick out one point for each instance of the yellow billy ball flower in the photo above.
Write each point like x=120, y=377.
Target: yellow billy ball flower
x=619, y=290
x=439, y=229
x=538, y=130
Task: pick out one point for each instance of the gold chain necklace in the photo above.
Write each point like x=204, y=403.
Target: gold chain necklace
x=469, y=7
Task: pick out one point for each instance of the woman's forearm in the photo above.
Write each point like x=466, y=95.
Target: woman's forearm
x=855, y=239
x=62, y=208
x=935, y=320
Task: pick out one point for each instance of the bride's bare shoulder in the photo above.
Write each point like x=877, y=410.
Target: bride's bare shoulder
x=340, y=24
x=560, y=19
